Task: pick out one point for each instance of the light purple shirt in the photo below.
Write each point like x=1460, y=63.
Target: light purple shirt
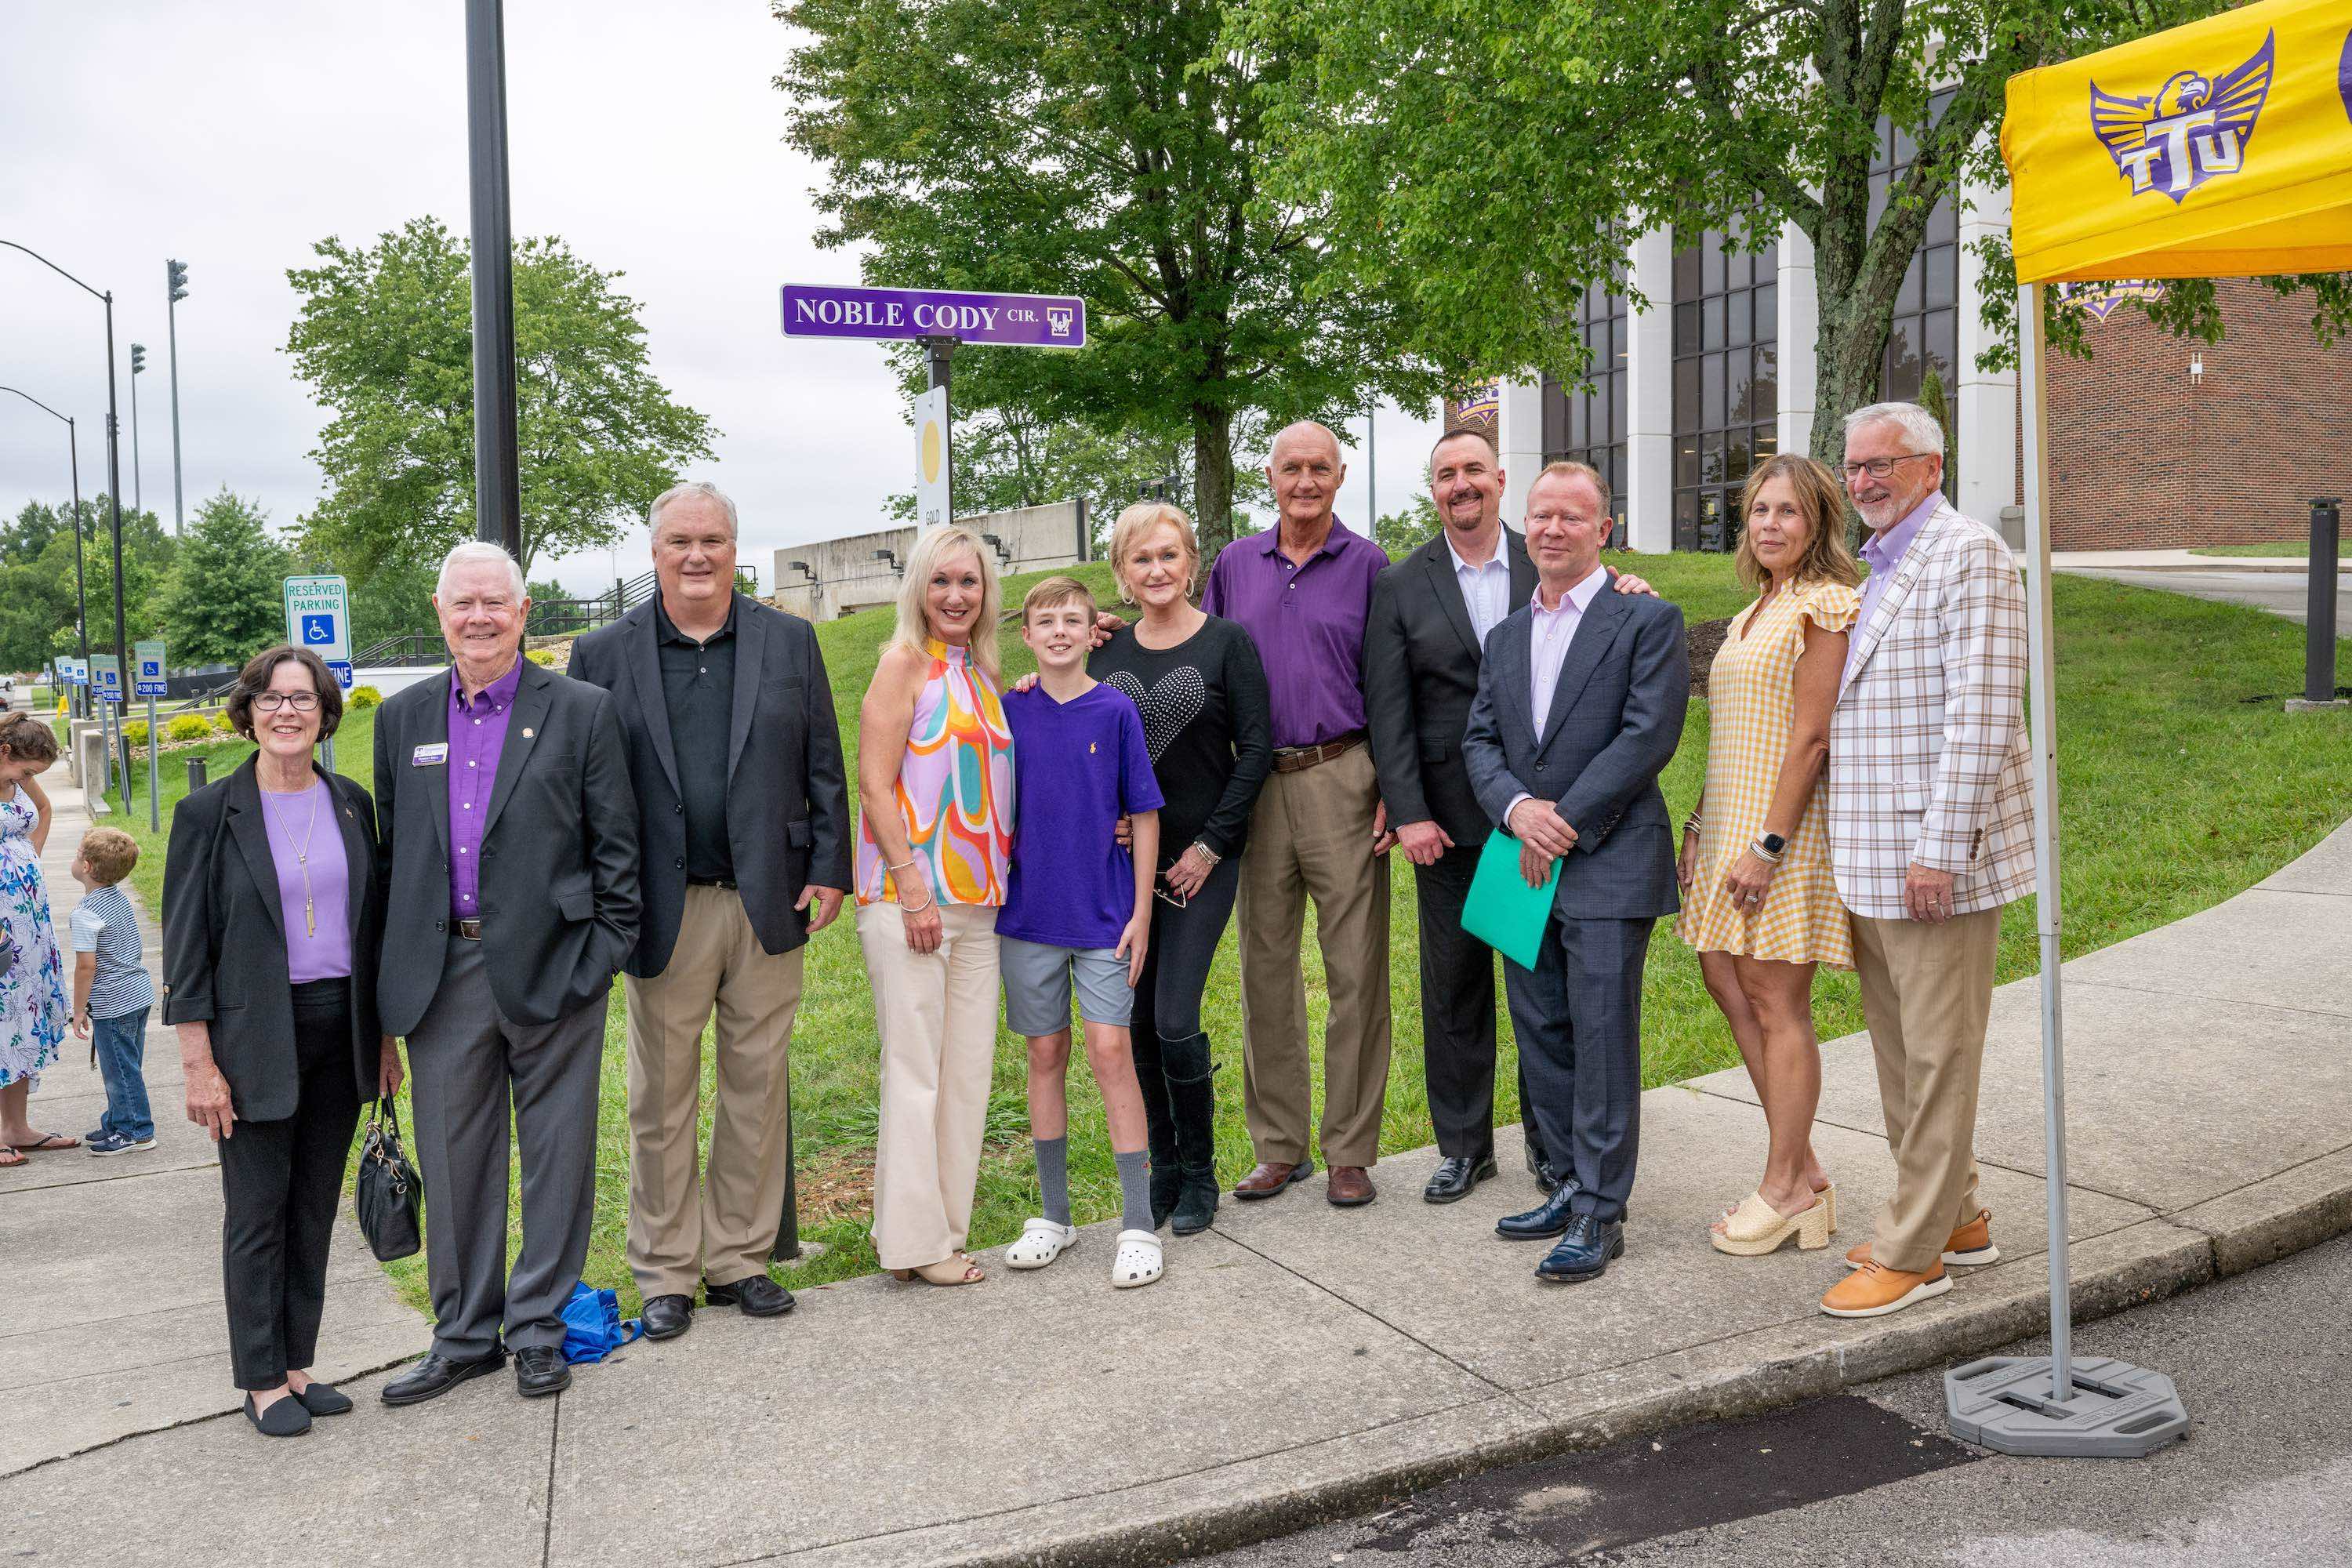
x=477, y=734
x=1549, y=632
x=1884, y=552
x=306, y=845
x=1308, y=623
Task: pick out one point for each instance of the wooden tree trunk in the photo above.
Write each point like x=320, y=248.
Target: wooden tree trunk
x=1212, y=479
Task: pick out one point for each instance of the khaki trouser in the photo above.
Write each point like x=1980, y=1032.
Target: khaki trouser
x=724, y=1231
x=1311, y=837
x=1926, y=991
x=936, y=1013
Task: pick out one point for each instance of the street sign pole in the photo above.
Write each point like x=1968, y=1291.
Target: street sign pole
x=498, y=499
x=151, y=686
x=154, y=797
x=938, y=346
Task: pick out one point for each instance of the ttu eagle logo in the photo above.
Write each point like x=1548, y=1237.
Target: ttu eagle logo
x=2187, y=130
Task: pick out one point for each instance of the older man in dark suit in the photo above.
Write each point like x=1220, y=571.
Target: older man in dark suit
x=1579, y=707
x=509, y=838
x=743, y=811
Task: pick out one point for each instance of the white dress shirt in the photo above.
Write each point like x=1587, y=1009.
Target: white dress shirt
x=1547, y=642
x=1486, y=590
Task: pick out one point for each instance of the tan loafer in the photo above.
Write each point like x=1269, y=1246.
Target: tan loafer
x=1970, y=1247
x=1873, y=1291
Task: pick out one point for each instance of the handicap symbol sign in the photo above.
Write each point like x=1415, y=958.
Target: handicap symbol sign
x=319, y=630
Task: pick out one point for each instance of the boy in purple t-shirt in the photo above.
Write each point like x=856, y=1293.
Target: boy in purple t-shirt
x=1078, y=906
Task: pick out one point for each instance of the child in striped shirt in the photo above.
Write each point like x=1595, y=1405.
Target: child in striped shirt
x=113, y=991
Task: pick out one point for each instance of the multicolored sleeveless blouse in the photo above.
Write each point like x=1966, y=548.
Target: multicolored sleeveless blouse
x=955, y=789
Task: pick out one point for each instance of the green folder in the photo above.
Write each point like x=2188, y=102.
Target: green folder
x=1503, y=911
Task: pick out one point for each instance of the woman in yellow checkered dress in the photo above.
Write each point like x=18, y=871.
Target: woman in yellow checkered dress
x=1758, y=903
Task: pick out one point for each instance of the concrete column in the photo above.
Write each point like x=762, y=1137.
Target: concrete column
x=1984, y=405
x=1650, y=396
x=1518, y=433
x=1800, y=335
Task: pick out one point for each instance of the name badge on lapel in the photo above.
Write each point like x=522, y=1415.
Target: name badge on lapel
x=429, y=756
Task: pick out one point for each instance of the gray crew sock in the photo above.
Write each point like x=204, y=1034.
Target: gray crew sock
x=1134, y=1189
x=1053, y=1176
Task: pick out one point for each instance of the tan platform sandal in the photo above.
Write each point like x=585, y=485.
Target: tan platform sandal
x=1756, y=1228
x=956, y=1270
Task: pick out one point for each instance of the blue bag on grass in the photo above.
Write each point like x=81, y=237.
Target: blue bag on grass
x=593, y=1328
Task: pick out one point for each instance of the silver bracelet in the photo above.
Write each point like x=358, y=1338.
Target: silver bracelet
x=1756, y=848
x=1211, y=855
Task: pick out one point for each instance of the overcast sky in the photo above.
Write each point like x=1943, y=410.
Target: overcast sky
x=234, y=136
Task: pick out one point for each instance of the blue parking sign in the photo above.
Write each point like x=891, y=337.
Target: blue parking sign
x=317, y=630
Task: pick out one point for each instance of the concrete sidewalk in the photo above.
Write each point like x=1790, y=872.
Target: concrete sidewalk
x=2097, y=563
x=1299, y=1362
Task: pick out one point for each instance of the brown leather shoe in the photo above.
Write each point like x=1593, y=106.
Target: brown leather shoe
x=1272, y=1177
x=1351, y=1187
x=1970, y=1247
x=1873, y=1291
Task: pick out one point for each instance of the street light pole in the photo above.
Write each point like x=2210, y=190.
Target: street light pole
x=497, y=486
x=73, y=463
x=175, y=275
x=138, y=489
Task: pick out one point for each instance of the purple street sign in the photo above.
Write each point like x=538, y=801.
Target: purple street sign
x=1031, y=321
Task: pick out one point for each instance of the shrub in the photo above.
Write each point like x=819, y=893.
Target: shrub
x=223, y=723
x=361, y=699
x=188, y=727
x=543, y=656
x=134, y=732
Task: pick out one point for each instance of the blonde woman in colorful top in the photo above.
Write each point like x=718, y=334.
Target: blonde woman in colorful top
x=935, y=793
x=1759, y=902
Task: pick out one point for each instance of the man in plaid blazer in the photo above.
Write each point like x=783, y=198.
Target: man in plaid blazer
x=1931, y=832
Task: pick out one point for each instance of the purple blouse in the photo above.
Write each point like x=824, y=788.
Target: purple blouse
x=306, y=843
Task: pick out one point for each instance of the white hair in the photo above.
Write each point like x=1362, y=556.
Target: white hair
x=480, y=550
x=679, y=492
x=1920, y=430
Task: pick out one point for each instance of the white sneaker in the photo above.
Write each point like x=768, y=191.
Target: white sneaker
x=1137, y=1260
x=1042, y=1241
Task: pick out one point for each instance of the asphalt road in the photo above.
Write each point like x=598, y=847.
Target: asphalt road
x=1870, y=1477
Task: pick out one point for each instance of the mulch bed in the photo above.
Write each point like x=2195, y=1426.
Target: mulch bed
x=1704, y=639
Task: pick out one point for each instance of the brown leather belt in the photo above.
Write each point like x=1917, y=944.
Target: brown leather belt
x=470, y=930
x=1293, y=759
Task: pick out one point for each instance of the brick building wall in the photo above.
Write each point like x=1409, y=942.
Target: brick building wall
x=2140, y=458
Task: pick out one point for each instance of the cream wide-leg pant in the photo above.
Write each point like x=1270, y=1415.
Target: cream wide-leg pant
x=936, y=1013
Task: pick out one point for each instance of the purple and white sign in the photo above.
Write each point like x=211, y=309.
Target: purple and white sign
x=1030, y=321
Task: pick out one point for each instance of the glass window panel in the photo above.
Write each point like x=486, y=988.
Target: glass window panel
x=1735, y=323
x=1736, y=269
x=1686, y=274
x=1943, y=223
x=1764, y=393
x=1617, y=343
x=1943, y=344
x=1766, y=441
x=1711, y=323
x=1903, y=360
x=1555, y=416
x=1906, y=296
x=1596, y=417
x=1710, y=258
x=1685, y=328
x=1686, y=520
x=1686, y=462
x=1768, y=263
x=1617, y=426
x=1710, y=459
x=1735, y=462
x=1767, y=314
x=1685, y=396
x=1710, y=400
x=1575, y=422
x=1904, y=148
x=1877, y=198
x=1943, y=276
x=1710, y=520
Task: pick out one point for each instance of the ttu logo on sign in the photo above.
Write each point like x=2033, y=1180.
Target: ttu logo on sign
x=2186, y=132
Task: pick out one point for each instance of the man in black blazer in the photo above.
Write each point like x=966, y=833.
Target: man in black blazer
x=510, y=843
x=743, y=813
x=1579, y=707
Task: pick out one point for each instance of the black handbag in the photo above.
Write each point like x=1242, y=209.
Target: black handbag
x=391, y=1195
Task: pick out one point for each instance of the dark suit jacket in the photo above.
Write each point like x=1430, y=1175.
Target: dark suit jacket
x=1420, y=673
x=1616, y=717
x=787, y=796
x=559, y=869
x=225, y=939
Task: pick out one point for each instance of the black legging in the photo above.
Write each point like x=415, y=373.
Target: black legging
x=1171, y=1050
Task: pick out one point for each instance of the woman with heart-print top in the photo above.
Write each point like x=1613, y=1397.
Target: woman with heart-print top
x=1201, y=690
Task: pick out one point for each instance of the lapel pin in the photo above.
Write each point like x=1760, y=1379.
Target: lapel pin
x=526, y=732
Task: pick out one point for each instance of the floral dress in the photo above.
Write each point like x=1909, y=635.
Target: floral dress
x=33, y=992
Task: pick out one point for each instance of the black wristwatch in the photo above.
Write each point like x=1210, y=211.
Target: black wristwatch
x=1773, y=844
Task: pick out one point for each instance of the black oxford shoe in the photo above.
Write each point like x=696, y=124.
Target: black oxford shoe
x=756, y=1297
x=1583, y=1252
x=437, y=1375
x=666, y=1316
x=539, y=1371
x=1546, y=1179
x=1454, y=1178
x=1547, y=1220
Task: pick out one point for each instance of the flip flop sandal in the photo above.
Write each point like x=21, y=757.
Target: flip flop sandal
x=1042, y=1241
x=49, y=1144
x=1137, y=1260
x=10, y=1157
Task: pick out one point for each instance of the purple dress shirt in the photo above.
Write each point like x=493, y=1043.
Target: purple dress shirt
x=1308, y=623
x=301, y=826
x=1884, y=552
x=478, y=735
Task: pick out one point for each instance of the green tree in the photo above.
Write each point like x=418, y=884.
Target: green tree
x=1403, y=533
x=384, y=337
x=1110, y=149
x=1500, y=160
x=36, y=578
x=226, y=601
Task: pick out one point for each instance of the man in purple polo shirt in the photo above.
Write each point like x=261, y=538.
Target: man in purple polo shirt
x=1302, y=590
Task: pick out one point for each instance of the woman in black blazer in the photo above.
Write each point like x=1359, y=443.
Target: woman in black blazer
x=273, y=910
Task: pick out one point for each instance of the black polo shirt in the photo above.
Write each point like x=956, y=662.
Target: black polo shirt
x=698, y=686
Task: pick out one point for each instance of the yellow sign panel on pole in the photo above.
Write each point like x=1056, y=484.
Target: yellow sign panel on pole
x=933, y=461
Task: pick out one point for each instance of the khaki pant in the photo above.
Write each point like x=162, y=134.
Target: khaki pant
x=724, y=1231
x=1311, y=837
x=936, y=1013
x=1926, y=991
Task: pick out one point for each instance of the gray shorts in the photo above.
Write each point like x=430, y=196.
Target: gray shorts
x=1038, y=986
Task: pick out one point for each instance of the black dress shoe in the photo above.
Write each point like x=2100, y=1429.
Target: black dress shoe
x=1546, y=1179
x=323, y=1399
x=286, y=1418
x=757, y=1297
x=1547, y=1220
x=1454, y=1176
x=539, y=1371
x=437, y=1375
x=666, y=1316
x=1584, y=1251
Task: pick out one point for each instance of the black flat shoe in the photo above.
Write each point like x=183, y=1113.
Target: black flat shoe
x=322, y=1399
x=666, y=1316
x=1546, y=1220
x=437, y=1375
x=286, y=1418
x=539, y=1371
x=1583, y=1252
x=756, y=1297
x=1454, y=1176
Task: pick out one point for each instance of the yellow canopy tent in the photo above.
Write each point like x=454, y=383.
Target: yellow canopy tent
x=2223, y=148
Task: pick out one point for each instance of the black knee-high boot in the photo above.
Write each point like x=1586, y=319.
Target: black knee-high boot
x=1159, y=1128
x=1192, y=1100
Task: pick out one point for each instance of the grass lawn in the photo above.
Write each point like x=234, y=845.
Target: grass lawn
x=2300, y=549
x=2176, y=790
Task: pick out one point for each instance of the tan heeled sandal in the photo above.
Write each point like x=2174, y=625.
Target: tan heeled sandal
x=969, y=1273
x=1756, y=1228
